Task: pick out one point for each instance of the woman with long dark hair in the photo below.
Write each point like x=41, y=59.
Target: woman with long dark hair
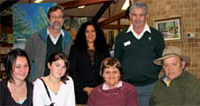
x=86, y=54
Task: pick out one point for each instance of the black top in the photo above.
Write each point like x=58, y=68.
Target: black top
x=83, y=72
x=6, y=98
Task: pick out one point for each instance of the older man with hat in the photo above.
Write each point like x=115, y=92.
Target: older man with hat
x=176, y=87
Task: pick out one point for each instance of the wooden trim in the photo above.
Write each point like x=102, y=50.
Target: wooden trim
x=101, y=11
x=6, y=4
x=114, y=26
x=74, y=4
x=116, y=17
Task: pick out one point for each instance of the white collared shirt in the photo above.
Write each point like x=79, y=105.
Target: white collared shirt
x=146, y=28
x=54, y=40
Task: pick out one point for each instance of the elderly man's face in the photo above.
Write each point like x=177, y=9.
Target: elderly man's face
x=173, y=67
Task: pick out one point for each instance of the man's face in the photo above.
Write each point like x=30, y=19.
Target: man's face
x=173, y=67
x=138, y=17
x=56, y=19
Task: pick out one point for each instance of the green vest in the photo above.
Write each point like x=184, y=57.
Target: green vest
x=52, y=48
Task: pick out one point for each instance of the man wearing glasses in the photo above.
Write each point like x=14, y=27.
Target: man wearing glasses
x=47, y=41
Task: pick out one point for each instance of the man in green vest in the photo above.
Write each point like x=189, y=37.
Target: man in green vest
x=47, y=41
x=136, y=47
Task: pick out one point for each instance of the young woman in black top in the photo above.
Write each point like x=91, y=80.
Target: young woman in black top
x=16, y=90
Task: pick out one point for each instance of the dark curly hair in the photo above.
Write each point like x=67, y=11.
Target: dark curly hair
x=81, y=43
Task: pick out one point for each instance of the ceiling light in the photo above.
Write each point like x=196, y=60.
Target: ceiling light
x=38, y=1
x=126, y=5
x=81, y=7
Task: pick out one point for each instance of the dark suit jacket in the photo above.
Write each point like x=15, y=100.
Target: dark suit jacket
x=84, y=73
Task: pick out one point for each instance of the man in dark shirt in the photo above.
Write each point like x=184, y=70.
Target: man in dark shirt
x=136, y=48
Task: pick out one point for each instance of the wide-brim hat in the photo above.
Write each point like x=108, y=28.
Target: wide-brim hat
x=171, y=51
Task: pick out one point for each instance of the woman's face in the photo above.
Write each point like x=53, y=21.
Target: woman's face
x=20, y=68
x=111, y=75
x=90, y=34
x=57, y=68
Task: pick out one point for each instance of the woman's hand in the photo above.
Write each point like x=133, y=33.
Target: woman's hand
x=88, y=90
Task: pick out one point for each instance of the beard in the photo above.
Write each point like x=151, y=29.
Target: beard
x=56, y=25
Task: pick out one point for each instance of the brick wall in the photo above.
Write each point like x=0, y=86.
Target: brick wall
x=189, y=11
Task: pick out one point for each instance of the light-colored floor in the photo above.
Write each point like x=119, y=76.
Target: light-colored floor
x=80, y=105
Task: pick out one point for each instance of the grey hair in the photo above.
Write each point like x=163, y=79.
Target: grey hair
x=139, y=5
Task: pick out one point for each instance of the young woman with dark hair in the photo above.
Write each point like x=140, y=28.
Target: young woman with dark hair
x=57, y=88
x=16, y=90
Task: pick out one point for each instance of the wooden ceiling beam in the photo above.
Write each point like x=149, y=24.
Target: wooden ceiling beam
x=7, y=4
x=101, y=11
x=74, y=4
x=116, y=17
x=114, y=26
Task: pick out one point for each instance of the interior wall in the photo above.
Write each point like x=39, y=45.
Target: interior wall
x=5, y=48
x=189, y=11
x=6, y=28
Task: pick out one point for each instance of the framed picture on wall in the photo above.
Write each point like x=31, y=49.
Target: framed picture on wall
x=169, y=27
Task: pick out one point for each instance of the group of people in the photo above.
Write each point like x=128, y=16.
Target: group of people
x=86, y=74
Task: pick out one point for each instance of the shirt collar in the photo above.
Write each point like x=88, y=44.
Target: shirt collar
x=164, y=77
x=54, y=40
x=62, y=32
x=146, y=29
x=119, y=84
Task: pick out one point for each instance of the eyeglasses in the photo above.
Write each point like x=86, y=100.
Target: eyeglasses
x=56, y=17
